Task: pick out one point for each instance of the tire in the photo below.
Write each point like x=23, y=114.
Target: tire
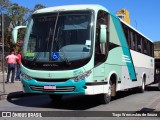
x=113, y=89
x=56, y=98
x=159, y=85
x=142, y=88
x=104, y=98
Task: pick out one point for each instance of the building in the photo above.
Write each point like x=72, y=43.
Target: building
x=157, y=60
x=124, y=15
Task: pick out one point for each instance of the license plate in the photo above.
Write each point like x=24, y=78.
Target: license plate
x=50, y=87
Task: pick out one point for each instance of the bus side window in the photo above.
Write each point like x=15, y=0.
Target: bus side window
x=149, y=49
x=127, y=34
x=135, y=40
x=132, y=41
x=144, y=46
x=139, y=44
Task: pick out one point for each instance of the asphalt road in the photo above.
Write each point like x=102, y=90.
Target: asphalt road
x=124, y=101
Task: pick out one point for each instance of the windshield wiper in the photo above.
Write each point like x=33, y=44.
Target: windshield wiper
x=53, y=38
x=59, y=45
x=57, y=42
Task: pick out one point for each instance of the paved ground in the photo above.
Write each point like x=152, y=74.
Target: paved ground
x=16, y=89
x=9, y=87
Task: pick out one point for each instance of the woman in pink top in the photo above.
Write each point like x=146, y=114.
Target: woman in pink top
x=11, y=60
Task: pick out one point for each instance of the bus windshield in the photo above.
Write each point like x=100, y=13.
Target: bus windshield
x=58, y=37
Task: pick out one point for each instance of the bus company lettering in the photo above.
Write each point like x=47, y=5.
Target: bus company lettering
x=50, y=65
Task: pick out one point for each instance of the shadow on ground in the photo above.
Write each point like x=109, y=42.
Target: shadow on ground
x=69, y=102
x=152, y=88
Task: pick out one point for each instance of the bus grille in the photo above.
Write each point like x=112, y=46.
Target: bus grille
x=50, y=80
x=58, y=89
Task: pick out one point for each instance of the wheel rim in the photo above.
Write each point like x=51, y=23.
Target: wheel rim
x=109, y=90
x=143, y=86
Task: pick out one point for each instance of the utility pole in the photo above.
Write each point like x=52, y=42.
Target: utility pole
x=2, y=29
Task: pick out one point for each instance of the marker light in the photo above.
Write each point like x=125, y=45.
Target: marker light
x=25, y=76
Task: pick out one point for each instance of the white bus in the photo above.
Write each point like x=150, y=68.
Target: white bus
x=83, y=49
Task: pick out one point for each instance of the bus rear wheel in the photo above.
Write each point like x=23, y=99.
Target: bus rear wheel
x=142, y=87
x=113, y=89
x=159, y=85
x=56, y=98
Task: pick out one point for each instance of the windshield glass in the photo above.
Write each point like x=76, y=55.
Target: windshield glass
x=58, y=37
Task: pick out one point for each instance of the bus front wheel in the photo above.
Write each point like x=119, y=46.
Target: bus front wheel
x=104, y=98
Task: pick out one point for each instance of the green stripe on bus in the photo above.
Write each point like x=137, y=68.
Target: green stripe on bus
x=125, y=47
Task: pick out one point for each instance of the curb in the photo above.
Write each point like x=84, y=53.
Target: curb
x=3, y=96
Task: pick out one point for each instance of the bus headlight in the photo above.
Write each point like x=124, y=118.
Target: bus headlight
x=82, y=77
x=25, y=76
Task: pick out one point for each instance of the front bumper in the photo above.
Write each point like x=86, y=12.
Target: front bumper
x=67, y=87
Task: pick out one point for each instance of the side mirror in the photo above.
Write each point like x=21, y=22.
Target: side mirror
x=15, y=33
x=103, y=33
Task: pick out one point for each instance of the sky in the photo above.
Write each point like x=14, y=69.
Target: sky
x=144, y=14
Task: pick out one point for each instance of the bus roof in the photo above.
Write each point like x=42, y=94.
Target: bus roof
x=95, y=7
x=134, y=29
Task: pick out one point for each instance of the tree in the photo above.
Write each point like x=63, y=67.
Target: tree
x=4, y=4
x=38, y=6
x=18, y=14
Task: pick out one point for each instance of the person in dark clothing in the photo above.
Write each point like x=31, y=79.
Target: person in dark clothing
x=18, y=66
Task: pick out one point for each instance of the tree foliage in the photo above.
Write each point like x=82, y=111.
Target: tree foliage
x=18, y=16
x=38, y=6
x=4, y=4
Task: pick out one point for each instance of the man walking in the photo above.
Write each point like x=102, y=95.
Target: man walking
x=11, y=60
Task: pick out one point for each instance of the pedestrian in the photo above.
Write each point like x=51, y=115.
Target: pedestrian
x=18, y=72
x=11, y=61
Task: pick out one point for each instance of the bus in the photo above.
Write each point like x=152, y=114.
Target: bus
x=85, y=50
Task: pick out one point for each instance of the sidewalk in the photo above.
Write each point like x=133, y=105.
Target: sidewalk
x=9, y=87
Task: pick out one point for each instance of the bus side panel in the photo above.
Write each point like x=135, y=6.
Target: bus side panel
x=116, y=64
x=123, y=43
x=144, y=65
x=114, y=69
x=122, y=55
x=128, y=83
